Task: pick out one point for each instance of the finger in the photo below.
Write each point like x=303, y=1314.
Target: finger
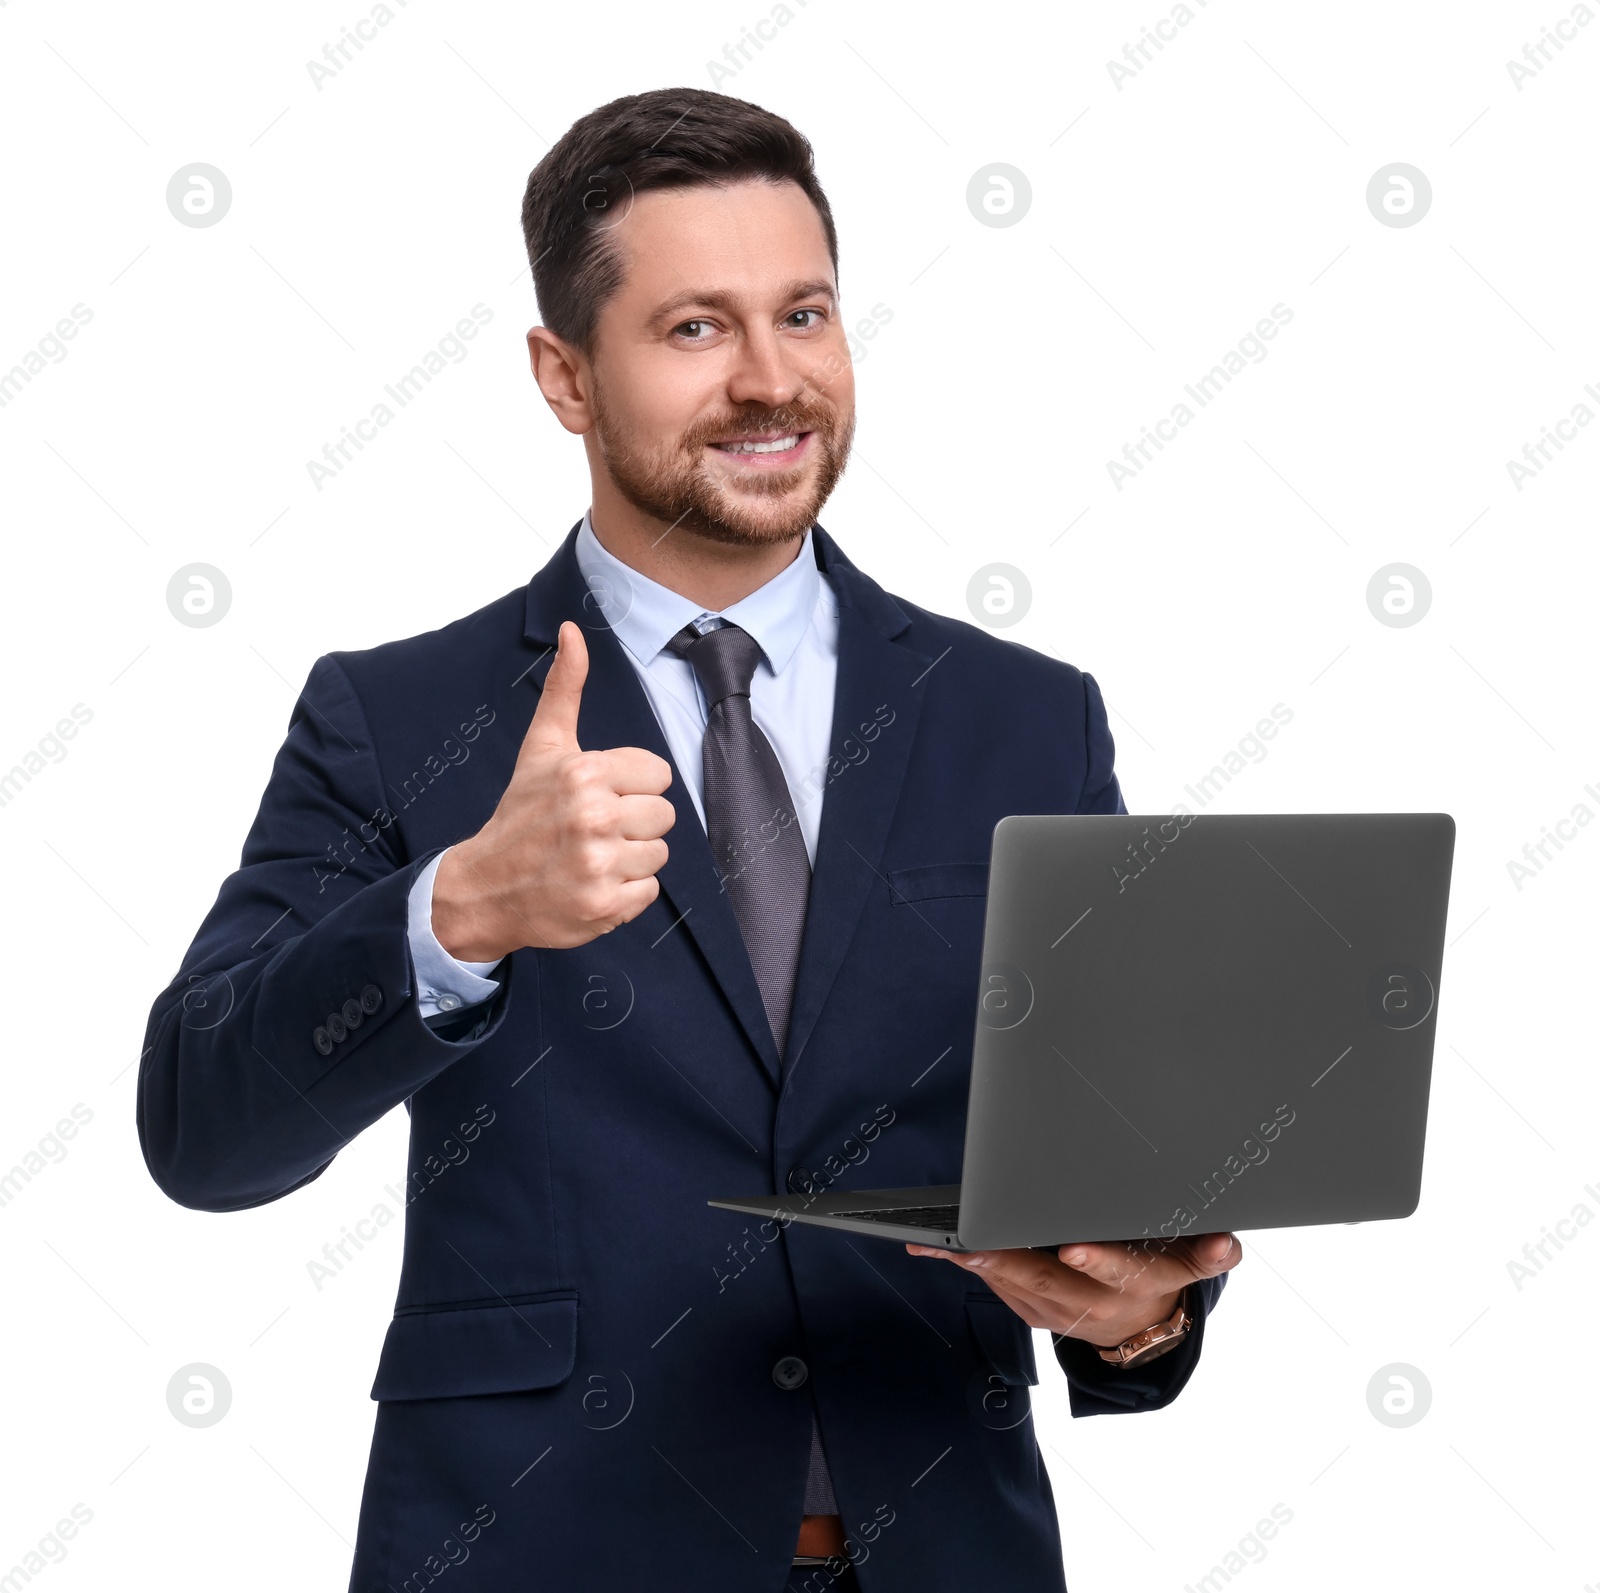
x=555, y=716
x=1216, y=1253
x=1035, y=1312
x=1060, y=1317
x=1207, y=1254
x=1032, y=1275
x=960, y=1258
x=633, y=771
x=1153, y=1266
x=1037, y=1307
x=633, y=896
x=641, y=859
x=1119, y=1265
x=644, y=818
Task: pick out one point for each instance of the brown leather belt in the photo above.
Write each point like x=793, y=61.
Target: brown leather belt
x=821, y=1537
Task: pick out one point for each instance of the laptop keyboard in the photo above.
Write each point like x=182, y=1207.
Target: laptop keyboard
x=941, y=1217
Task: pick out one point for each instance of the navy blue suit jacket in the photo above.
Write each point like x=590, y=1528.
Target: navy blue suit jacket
x=577, y=1387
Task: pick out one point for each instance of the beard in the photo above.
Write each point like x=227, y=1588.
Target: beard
x=672, y=483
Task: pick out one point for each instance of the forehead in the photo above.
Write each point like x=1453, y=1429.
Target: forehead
x=745, y=237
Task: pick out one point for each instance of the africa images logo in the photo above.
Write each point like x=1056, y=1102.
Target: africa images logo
x=1400, y=996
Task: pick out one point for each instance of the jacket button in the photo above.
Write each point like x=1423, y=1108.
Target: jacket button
x=335, y=1025
x=790, y=1373
x=371, y=999
x=322, y=1040
x=352, y=1014
x=800, y=1181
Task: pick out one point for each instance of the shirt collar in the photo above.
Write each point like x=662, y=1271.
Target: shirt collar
x=645, y=615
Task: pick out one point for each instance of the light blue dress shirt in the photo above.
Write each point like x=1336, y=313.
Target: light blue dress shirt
x=794, y=617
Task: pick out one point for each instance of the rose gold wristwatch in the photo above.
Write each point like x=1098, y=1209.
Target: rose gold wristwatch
x=1154, y=1341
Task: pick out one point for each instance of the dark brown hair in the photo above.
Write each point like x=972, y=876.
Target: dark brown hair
x=667, y=138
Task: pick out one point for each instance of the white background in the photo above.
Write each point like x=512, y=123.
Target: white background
x=1168, y=216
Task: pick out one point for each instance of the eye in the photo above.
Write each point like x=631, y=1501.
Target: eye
x=793, y=319
x=693, y=331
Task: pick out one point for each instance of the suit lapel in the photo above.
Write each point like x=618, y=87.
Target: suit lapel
x=877, y=700
x=876, y=704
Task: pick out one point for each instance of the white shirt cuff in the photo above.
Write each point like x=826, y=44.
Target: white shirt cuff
x=444, y=983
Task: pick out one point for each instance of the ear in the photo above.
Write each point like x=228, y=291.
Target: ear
x=564, y=377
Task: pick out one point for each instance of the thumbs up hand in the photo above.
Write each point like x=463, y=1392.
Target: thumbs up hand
x=572, y=849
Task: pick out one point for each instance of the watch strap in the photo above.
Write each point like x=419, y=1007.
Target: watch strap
x=1155, y=1341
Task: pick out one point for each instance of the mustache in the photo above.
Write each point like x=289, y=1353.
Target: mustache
x=801, y=415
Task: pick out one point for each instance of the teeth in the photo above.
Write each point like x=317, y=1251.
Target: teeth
x=780, y=445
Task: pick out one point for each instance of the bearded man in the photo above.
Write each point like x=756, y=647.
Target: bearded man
x=657, y=877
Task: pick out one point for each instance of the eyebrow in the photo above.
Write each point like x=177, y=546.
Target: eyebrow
x=715, y=299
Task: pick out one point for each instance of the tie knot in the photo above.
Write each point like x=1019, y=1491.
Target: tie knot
x=723, y=658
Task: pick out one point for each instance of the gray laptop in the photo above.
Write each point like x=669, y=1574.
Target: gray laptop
x=1187, y=1025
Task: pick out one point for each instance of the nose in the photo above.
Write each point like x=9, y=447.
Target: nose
x=761, y=372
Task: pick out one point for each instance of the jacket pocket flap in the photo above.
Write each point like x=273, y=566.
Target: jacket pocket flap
x=450, y=1351
x=1006, y=1340
x=932, y=880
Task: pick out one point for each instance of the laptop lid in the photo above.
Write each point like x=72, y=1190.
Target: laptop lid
x=1194, y=1023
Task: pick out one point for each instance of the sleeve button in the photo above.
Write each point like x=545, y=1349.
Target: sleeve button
x=322, y=1040
x=336, y=1026
x=352, y=1014
x=371, y=999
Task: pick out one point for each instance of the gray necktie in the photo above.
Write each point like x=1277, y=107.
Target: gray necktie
x=761, y=859
x=751, y=823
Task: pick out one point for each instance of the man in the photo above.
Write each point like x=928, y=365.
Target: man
x=657, y=879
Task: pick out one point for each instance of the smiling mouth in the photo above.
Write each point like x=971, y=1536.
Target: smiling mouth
x=749, y=447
